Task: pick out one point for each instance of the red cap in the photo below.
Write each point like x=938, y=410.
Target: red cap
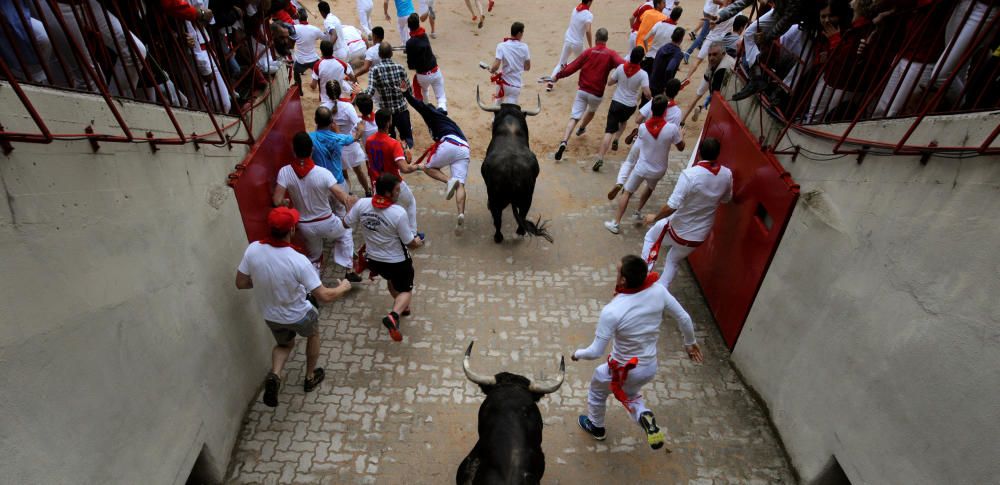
x=282, y=218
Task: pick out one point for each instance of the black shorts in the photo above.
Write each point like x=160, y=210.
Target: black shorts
x=618, y=114
x=399, y=275
x=284, y=333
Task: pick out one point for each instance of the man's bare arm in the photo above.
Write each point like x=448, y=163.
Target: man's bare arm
x=243, y=281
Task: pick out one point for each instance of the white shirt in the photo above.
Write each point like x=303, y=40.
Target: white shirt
x=281, y=279
x=332, y=24
x=347, y=118
x=653, y=152
x=629, y=88
x=371, y=55
x=661, y=37
x=305, y=43
x=332, y=70
x=710, y=8
x=695, y=199
x=311, y=194
x=370, y=128
x=512, y=54
x=727, y=62
x=719, y=31
x=672, y=115
x=578, y=23
x=385, y=230
x=355, y=41
x=633, y=322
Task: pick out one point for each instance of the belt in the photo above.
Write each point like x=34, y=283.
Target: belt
x=680, y=240
x=619, y=374
x=432, y=71
x=321, y=218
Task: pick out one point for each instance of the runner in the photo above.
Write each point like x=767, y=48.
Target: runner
x=632, y=83
x=403, y=10
x=420, y=57
x=427, y=14
x=579, y=28
x=386, y=155
x=512, y=58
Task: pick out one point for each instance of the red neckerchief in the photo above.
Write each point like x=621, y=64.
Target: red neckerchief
x=651, y=278
x=630, y=69
x=582, y=7
x=381, y=202
x=417, y=33
x=505, y=39
x=302, y=169
x=710, y=167
x=655, y=124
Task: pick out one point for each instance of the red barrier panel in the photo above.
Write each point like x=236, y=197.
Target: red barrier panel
x=254, y=177
x=732, y=262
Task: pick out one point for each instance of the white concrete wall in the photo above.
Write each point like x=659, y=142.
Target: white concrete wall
x=875, y=337
x=125, y=346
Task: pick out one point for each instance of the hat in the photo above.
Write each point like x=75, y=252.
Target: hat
x=282, y=218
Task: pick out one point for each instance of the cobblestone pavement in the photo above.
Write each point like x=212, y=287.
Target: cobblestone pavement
x=404, y=413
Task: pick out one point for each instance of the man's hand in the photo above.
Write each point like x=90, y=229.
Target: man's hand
x=205, y=15
x=345, y=286
x=404, y=87
x=649, y=219
x=694, y=353
x=351, y=200
x=189, y=41
x=573, y=357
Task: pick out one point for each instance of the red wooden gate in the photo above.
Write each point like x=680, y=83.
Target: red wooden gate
x=731, y=264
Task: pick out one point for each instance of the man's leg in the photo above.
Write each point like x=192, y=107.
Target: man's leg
x=674, y=256
x=343, y=243
x=279, y=355
x=597, y=397
x=625, y=171
x=313, y=237
x=362, y=175
x=401, y=121
x=564, y=58
x=312, y=354
x=587, y=117
x=622, y=205
x=702, y=33
x=437, y=83
x=637, y=378
x=404, y=30
x=646, y=192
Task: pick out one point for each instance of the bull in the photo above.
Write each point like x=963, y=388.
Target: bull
x=510, y=168
x=509, y=450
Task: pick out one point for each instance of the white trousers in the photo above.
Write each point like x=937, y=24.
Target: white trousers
x=962, y=34
x=454, y=156
x=825, y=98
x=435, y=81
x=569, y=52
x=600, y=389
x=404, y=30
x=763, y=24
x=365, y=16
x=510, y=94
x=407, y=201
x=333, y=228
x=215, y=89
x=906, y=75
x=628, y=164
x=670, y=251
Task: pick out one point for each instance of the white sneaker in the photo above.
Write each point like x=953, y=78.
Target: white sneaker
x=636, y=217
x=611, y=226
x=696, y=113
x=452, y=188
x=461, y=220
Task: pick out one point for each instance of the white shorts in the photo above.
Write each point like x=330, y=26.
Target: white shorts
x=585, y=103
x=427, y=6
x=449, y=154
x=636, y=178
x=352, y=155
x=510, y=94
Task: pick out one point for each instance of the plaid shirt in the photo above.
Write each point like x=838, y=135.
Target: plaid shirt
x=385, y=78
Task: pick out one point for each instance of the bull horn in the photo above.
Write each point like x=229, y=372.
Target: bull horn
x=472, y=376
x=491, y=109
x=554, y=386
x=535, y=111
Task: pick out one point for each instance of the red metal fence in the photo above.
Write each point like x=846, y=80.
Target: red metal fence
x=919, y=59
x=146, y=51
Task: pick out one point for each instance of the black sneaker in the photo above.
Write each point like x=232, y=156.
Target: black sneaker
x=271, y=385
x=614, y=146
x=653, y=434
x=597, y=165
x=317, y=377
x=559, y=152
x=353, y=277
x=598, y=433
x=580, y=131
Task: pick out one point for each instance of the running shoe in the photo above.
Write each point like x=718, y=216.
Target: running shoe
x=636, y=217
x=580, y=131
x=614, y=146
x=559, y=152
x=696, y=113
x=597, y=165
x=391, y=321
x=612, y=227
x=548, y=86
x=434, y=35
x=614, y=191
x=461, y=220
x=653, y=434
x=489, y=8
x=452, y=188
x=422, y=236
x=406, y=312
x=598, y=433
x=317, y=377
x=271, y=385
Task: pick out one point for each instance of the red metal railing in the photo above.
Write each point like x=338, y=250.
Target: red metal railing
x=936, y=58
x=137, y=51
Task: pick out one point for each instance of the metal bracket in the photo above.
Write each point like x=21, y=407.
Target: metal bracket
x=93, y=141
x=925, y=155
x=194, y=140
x=5, y=144
x=152, y=142
x=863, y=153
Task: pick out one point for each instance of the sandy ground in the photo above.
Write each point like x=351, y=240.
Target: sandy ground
x=460, y=46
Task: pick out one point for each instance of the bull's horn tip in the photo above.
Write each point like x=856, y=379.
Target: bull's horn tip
x=562, y=362
x=468, y=351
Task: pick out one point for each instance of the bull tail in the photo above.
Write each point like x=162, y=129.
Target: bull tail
x=536, y=228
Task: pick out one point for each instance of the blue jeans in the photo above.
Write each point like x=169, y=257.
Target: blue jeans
x=698, y=41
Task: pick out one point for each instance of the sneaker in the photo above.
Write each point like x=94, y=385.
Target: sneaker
x=422, y=236
x=687, y=58
x=611, y=226
x=597, y=165
x=598, y=433
x=481, y=20
x=271, y=385
x=391, y=321
x=452, y=188
x=353, y=277
x=434, y=35
x=696, y=113
x=614, y=146
x=461, y=220
x=406, y=312
x=614, y=191
x=559, y=152
x=631, y=136
x=691, y=35
x=653, y=434
x=636, y=217
x=489, y=8
x=581, y=130
x=548, y=86
x=317, y=377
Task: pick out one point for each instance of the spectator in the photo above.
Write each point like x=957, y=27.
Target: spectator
x=384, y=80
x=720, y=66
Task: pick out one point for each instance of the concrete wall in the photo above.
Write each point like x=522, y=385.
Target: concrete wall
x=875, y=338
x=125, y=346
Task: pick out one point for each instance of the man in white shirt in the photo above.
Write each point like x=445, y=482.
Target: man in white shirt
x=709, y=14
x=334, y=30
x=356, y=46
x=388, y=235
x=427, y=14
x=512, y=58
x=365, y=16
x=632, y=320
x=371, y=54
x=632, y=82
x=281, y=277
x=579, y=28
x=655, y=138
x=686, y=220
x=672, y=115
x=306, y=37
x=330, y=68
x=309, y=187
x=660, y=34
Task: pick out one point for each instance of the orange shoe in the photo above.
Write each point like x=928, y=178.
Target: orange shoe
x=391, y=321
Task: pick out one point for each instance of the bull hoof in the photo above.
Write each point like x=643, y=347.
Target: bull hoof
x=521, y=231
x=498, y=238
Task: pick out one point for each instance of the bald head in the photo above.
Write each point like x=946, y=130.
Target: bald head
x=385, y=50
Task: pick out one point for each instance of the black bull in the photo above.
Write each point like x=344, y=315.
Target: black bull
x=510, y=168
x=509, y=450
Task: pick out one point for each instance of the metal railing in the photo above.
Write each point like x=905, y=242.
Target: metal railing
x=141, y=51
x=938, y=58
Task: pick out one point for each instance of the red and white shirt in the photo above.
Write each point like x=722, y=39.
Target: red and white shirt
x=699, y=191
x=331, y=69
